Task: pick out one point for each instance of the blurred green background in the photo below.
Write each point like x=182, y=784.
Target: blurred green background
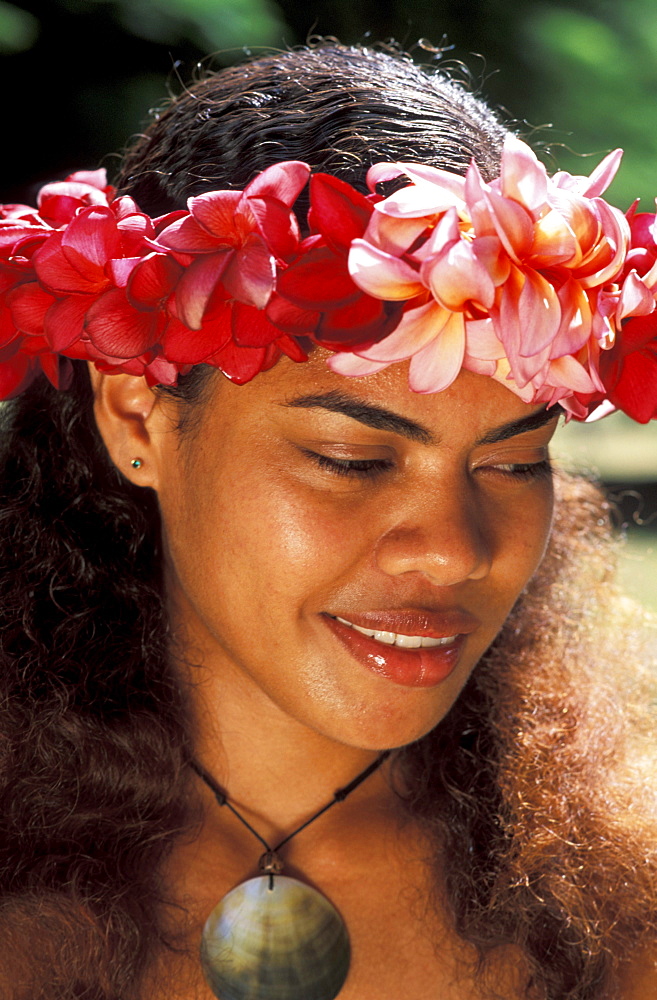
x=577, y=78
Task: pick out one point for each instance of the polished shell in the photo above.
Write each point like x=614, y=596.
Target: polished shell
x=282, y=943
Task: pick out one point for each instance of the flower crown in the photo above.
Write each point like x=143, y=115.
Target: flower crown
x=533, y=280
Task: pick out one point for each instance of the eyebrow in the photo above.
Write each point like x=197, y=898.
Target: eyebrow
x=521, y=426
x=366, y=413
x=386, y=420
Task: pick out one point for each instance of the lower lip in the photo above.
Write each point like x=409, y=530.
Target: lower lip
x=423, y=667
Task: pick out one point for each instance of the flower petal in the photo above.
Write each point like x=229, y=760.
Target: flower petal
x=153, y=280
x=604, y=264
x=16, y=374
x=513, y=224
x=523, y=177
x=539, y=314
x=437, y=365
x=292, y=347
x=635, y=299
x=319, y=279
x=121, y=268
x=239, y=364
x=457, y=277
x=187, y=236
x=8, y=331
x=278, y=228
x=603, y=175
x=479, y=367
x=184, y=346
x=636, y=390
x=58, y=202
x=55, y=271
x=392, y=235
x=28, y=306
x=91, y=239
x=554, y=241
x=482, y=342
x=249, y=275
x=64, y=321
x=294, y=320
x=354, y=366
x=360, y=323
x=118, y=329
x=432, y=190
x=417, y=328
x=339, y=212
x=196, y=286
x=575, y=326
x=569, y=373
x=382, y=275
x=216, y=212
x=136, y=226
x=251, y=327
x=479, y=210
x=159, y=371
x=283, y=181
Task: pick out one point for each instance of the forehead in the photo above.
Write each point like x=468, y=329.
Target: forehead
x=471, y=407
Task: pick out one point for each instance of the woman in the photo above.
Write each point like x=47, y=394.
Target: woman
x=227, y=597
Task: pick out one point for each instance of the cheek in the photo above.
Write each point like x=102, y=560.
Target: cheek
x=525, y=537
x=252, y=542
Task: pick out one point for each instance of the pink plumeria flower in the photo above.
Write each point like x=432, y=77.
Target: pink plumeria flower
x=527, y=253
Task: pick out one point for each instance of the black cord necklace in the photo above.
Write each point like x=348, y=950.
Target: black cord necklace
x=274, y=937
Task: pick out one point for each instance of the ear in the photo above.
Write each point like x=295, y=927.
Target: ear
x=133, y=424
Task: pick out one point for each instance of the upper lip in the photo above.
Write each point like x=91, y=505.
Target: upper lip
x=414, y=621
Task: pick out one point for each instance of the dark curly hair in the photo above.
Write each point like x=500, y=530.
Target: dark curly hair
x=529, y=788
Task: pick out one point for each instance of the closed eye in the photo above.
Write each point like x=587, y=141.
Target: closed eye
x=524, y=470
x=365, y=468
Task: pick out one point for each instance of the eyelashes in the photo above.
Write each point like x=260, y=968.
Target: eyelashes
x=526, y=470
x=351, y=468
x=373, y=468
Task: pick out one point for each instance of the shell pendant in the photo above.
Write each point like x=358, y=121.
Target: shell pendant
x=274, y=938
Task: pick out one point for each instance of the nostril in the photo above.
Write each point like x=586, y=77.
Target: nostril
x=446, y=556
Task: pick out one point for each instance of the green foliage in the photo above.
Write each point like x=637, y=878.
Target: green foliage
x=18, y=29
x=588, y=66
x=210, y=24
x=599, y=67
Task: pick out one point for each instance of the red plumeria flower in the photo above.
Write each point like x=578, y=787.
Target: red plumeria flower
x=642, y=254
x=60, y=201
x=127, y=320
x=236, y=239
x=22, y=358
x=316, y=295
x=17, y=348
x=629, y=369
x=75, y=267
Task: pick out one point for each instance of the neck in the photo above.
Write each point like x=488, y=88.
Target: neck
x=275, y=770
x=272, y=849
x=252, y=738
x=269, y=765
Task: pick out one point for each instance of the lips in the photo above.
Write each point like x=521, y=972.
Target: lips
x=412, y=621
x=422, y=666
x=399, y=638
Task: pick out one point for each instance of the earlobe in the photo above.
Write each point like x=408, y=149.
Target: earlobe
x=130, y=420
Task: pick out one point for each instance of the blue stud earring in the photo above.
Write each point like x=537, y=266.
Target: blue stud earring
x=136, y=463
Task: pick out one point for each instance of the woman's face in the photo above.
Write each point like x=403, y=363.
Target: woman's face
x=306, y=503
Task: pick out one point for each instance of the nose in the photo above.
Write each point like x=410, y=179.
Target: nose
x=444, y=537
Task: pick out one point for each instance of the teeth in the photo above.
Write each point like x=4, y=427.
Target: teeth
x=397, y=639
